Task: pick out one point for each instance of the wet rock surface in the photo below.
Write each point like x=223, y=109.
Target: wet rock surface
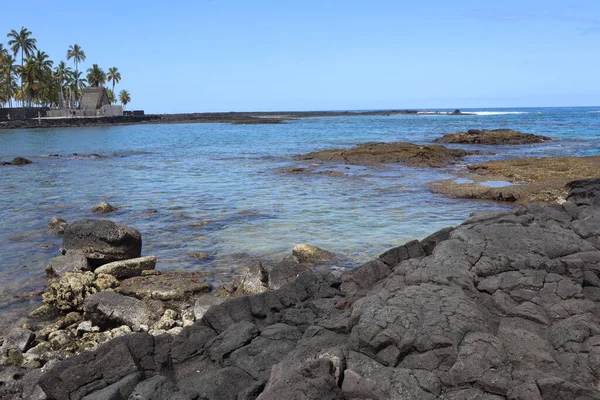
x=57, y=225
x=524, y=180
x=504, y=306
x=103, y=208
x=493, y=137
x=387, y=153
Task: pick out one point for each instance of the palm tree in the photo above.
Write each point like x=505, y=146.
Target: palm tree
x=96, y=76
x=113, y=75
x=124, y=97
x=29, y=75
x=45, y=79
x=111, y=96
x=22, y=41
x=9, y=70
x=78, y=55
x=62, y=74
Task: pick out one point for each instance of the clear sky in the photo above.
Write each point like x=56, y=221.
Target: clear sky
x=246, y=55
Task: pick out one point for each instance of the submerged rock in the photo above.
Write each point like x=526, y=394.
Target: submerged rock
x=522, y=180
x=17, y=161
x=102, y=241
x=309, y=254
x=494, y=136
x=103, y=208
x=57, y=225
x=199, y=255
x=396, y=152
x=128, y=268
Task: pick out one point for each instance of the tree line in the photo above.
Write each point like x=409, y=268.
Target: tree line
x=36, y=80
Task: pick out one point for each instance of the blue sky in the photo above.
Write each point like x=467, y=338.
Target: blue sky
x=240, y=55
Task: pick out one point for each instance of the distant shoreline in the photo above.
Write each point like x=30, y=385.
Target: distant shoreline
x=241, y=118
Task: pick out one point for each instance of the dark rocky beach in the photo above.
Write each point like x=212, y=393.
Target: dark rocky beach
x=503, y=306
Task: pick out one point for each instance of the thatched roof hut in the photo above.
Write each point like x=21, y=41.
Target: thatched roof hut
x=93, y=98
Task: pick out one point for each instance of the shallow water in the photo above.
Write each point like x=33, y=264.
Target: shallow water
x=219, y=188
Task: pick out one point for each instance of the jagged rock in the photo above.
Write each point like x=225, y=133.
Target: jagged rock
x=57, y=225
x=157, y=388
x=103, y=208
x=128, y=268
x=74, y=261
x=102, y=241
x=252, y=277
x=285, y=271
x=17, y=339
x=204, y=303
x=167, y=286
x=110, y=309
x=309, y=254
x=307, y=380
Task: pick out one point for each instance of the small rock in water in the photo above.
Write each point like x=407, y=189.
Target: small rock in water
x=103, y=208
x=199, y=255
x=57, y=225
x=309, y=254
x=17, y=161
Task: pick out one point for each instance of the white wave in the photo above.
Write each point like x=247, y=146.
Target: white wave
x=495, y=112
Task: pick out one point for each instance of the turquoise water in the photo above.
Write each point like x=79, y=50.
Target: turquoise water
x=219, y=188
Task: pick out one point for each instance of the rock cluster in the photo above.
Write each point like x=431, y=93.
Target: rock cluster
x=396, y=152
x=16, y=161
x=493, y=136
x=504, y=306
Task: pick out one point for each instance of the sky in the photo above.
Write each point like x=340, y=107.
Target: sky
x=263, y=55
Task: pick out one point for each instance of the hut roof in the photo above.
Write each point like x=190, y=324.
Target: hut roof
x=93, y=98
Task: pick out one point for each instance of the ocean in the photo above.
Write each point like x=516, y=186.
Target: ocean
x=223, y=189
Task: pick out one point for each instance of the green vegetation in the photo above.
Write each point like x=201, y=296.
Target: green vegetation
x=124, y=97
x=38, y=81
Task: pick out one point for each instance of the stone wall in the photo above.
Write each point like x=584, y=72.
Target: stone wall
x=22, y=113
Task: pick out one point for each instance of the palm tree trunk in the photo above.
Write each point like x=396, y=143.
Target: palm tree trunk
x=22, y=91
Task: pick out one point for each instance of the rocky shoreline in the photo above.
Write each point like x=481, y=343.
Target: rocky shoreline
x=503, y=306
x=216, y=117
